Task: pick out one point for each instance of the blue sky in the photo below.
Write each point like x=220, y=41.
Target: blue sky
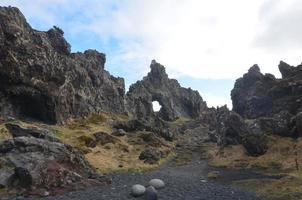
x=204, y=44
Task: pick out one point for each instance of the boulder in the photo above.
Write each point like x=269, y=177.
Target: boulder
x=157, y=183
x=131, y=125
x=232, y=129
x=151, y=193
x=119, y=133
x=138, y=190
x=18, y=131
x=104, y=138
x=34, y=163
x=151, y=155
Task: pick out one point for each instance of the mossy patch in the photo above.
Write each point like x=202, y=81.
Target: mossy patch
x=213, y=175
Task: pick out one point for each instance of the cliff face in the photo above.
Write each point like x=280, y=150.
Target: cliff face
x=257, y=95
x=175, y=100
x=275, y=103
x=40, y=78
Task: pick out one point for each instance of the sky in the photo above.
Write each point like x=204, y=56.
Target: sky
x=204, y=44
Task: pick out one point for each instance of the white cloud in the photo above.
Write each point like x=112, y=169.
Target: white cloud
x=201, y=38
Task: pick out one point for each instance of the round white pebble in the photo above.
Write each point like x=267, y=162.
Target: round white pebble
x=157, y=183
x=138, y=190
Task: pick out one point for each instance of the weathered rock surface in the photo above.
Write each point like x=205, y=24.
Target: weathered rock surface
x=175, y=100
x=33, y=164
x=41, y=79
x=274, y=102
x=151, y=155
x=18, y=131
x=226, y=127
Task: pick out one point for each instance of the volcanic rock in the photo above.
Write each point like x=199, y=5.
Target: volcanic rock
x=273, y=102
x=151, y=193
x=151, y=155
x=41, y=79
x=34, y=164
x=257, y=95
x=18, y=131
x=175, y=100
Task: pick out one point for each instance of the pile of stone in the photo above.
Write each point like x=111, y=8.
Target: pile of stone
x=149, y=193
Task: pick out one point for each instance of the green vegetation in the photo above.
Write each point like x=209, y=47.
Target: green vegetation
x=213, y=175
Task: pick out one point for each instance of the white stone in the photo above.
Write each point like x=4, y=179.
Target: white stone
x=138, y=190
x=157, y=183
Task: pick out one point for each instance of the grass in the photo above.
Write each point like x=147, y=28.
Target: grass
x=213, y=175
x=182, y=158
x=180, y=121
x=121, y=155
x=3, y=192
x=282, y=159
x=4, y=133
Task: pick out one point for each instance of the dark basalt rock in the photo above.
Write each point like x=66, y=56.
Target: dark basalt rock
x=257, y=95
x=273, y=102
x=156, y=125
x=175, y=100
x=35, y=164
x=297, y=123
x=41, y=79
x=249, y=95
x=229, y=128
x=21, y=178
x=151, y=155
x=18, y=131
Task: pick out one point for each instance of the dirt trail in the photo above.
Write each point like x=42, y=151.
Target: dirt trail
x=187, y=182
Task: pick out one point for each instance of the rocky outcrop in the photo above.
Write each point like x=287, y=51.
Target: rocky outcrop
x=273, y=102
x=229, y=128
x=249, y=95
x=41, y=79
x=175, y=100
x=257, y=95
x=31, y=164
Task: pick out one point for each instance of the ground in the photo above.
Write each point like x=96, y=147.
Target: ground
x=201, y=171
x=185, y=182
x=280, y=161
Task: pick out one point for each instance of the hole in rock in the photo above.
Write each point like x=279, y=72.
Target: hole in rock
x=34, y=107
x=156, y=106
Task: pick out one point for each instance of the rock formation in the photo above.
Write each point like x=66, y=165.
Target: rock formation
x=175, y=100
x=274, y=103
x=41, y=79
x=34, y=161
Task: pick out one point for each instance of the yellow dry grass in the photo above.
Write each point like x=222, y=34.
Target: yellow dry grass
x=282, y=158
x=121, y=156
x=282, y=155
x=4, y=133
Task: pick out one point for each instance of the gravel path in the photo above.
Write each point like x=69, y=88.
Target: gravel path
x=182, y=183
